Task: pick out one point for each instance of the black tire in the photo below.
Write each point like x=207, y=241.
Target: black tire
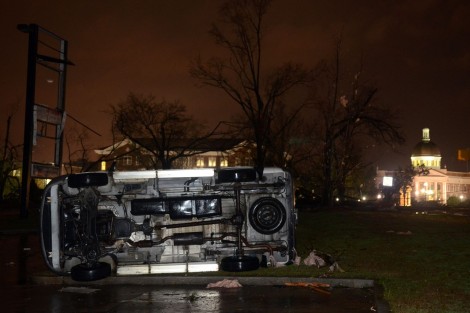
x=267, y=215
x=83, y=272
x=87, y=179
x=239, y=263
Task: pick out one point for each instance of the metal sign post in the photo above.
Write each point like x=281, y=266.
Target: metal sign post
x=37, y=113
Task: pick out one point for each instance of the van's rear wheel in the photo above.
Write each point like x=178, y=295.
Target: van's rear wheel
x=85, y=272
x=239, y=263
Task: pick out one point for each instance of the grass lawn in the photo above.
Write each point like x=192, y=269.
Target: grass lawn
x=421, y=260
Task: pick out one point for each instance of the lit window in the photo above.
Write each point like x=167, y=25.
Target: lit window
x=212, y=162
x=103, y=165
x=223, y=163
x=200, y=162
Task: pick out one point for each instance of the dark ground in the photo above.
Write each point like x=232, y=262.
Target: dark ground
x=21, y=265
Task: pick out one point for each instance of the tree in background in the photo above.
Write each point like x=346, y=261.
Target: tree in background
x=290, y=146
x=9, y=184
x=403, y=179
x=242, y=74
x=349, y=119
x=162, y=128
x=78, y=150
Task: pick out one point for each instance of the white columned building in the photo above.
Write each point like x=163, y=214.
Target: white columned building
x=440, y=184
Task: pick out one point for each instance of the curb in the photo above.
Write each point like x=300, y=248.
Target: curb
x=201, y=280
x=381, y=305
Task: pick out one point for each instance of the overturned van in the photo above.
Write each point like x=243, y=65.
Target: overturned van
x=98, y=224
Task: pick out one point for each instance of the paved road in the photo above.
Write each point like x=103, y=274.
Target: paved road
x=134, y=298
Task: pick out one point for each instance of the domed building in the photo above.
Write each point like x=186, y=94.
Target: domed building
x=438, y=185
x=426, y=153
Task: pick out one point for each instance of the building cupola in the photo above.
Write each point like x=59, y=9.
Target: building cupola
x=426, y=152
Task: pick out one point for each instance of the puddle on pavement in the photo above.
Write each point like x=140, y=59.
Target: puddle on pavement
x=251, y=299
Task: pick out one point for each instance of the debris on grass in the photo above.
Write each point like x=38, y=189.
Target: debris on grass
x=406, y=233
x=314, y=259
x=320, y=259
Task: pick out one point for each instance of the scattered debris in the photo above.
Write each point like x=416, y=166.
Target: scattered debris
x=404, y=233
x=226, y=283
x=407, y=233
x=314, y=259
x=320, y=259
x=335, y=267
x=318, y=287
x=83, y=290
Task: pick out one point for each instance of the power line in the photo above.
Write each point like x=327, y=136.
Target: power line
x=87, y=127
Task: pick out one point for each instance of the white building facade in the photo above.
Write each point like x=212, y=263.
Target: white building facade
x=439, y=184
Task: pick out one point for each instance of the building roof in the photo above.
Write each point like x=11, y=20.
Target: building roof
x=426, y=147
x=208, y=144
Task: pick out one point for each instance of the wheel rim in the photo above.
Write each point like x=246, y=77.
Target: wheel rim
x=267, y=215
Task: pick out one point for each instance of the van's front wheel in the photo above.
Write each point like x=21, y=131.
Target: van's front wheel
x=239, y=263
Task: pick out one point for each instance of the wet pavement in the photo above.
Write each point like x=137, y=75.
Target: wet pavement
x=27, y=286
x=137, y=299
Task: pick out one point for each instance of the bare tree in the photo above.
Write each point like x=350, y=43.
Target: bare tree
x=8, y=160
x=350, y=118
x=242, y=75
x=78, y=150
x=162, y=128
x=291, y=143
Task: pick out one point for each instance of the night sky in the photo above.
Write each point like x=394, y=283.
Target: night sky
x=416, y=52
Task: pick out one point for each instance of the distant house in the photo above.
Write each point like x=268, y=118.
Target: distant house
x=215, y=153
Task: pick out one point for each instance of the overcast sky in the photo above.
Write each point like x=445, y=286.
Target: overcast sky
x=416, y=52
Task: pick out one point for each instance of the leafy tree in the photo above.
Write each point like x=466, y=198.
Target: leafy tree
x=162, y=128
x=403, y=178
x=242, y=75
